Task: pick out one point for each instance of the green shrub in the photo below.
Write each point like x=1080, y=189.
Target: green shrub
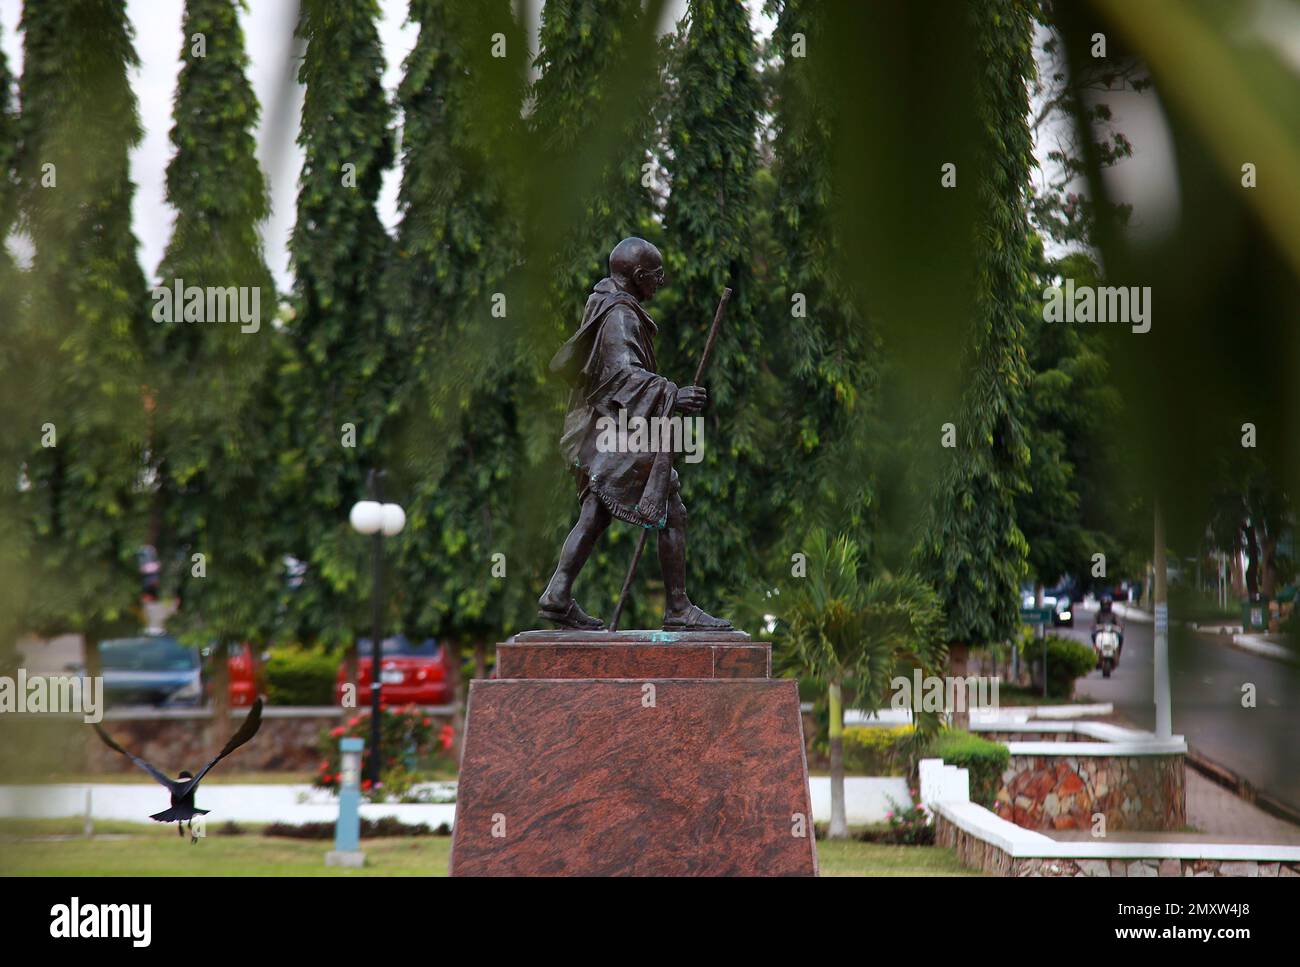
x=877, y=751
x=384, y=826
x=300, y=677
x=986, y=761
x=1066, y=660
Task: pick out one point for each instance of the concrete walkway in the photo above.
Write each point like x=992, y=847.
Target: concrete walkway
x=1213, y=809
x=1228, y=635
x=1265, y=646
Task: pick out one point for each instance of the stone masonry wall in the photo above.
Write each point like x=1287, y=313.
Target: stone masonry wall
x=60, y=745
x=280, y=744
x=977, y=854
x=1138, y=792
x=1012, y=736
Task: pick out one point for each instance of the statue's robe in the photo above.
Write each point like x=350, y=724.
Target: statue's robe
x=610, y=363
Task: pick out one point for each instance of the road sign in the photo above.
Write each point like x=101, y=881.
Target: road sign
x=1036, y=616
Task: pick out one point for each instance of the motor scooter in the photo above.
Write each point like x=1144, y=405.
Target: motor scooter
x=1106, y=642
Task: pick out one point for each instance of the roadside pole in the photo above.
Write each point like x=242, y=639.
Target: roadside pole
x=1038, y=617
x=347, y=828
x=1164, y=717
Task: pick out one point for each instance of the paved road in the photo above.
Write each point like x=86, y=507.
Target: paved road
x=1261, y=743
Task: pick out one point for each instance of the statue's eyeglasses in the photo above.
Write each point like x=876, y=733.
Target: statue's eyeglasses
x=657, y=275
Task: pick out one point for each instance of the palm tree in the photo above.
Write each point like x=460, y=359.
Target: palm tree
x=845, y=631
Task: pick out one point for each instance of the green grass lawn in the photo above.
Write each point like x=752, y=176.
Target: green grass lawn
x=130, y=849
x=29, y=848
x=853, y=858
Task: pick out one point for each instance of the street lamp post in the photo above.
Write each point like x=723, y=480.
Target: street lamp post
x=378, y=520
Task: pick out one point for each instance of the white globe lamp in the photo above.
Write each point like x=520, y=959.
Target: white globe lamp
x=393, y=519
x=367, y=516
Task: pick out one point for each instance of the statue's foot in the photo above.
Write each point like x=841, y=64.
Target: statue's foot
x=569, y=616
x=694, y=618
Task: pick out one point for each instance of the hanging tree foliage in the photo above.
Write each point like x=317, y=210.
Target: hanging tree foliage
x=593, y=124
x=711, y=157
x=972, y=550
x=81, y=325
x=457, y=247
x=338, y=381
x=214, y=448
x=824, y=354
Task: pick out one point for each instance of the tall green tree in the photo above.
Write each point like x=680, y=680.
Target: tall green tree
x=1075, y=505
x=1249, y=517
x=82, y=321
x=594, y=123
x=711, y=159
x=457, y=245
x=1081, y=499
x=214, y=450
x=972, y=549
x=339, y=379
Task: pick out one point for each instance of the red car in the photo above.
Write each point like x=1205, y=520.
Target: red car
x=243, y=684
x=241, y=672
x=411, y=672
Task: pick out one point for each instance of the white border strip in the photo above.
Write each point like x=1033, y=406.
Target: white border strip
x=1175, y=745
x=1022, y=843
x=1112, y=739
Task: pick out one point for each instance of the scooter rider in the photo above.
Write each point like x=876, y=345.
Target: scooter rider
x=1106, y=616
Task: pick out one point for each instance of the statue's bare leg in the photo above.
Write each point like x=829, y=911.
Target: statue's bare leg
x=679, y=613
x=556, y=603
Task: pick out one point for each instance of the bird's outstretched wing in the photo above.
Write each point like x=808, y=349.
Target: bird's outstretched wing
x=108, y=741
x=246, y=732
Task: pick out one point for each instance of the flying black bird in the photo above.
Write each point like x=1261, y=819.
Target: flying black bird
x=182, y=788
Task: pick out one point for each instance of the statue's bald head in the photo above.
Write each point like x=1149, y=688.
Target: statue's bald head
x=637, y=266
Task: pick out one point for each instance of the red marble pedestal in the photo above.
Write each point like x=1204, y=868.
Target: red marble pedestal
x=641, y=753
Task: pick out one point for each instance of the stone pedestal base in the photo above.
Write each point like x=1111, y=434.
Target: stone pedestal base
x=636, y=753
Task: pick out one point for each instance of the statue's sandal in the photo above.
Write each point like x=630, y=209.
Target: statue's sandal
x=572, y=617
x=697, y=619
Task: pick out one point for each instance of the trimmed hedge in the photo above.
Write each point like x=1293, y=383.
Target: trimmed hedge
x=1066, y=660
x=384, y=826
x=877, y=751
x=986, y=761
x=300, y=677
